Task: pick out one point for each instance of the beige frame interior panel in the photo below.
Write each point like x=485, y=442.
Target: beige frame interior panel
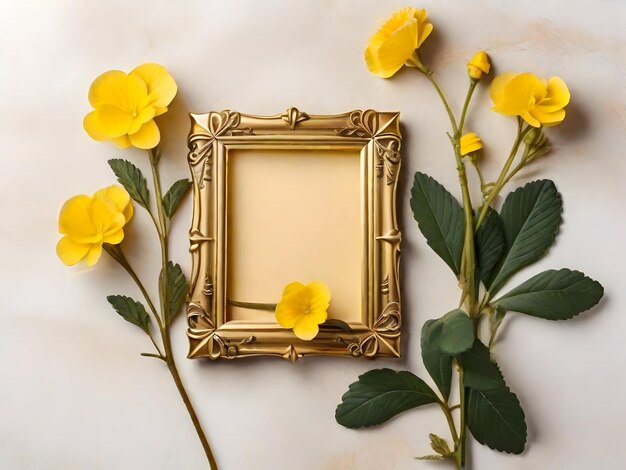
x=376, y=138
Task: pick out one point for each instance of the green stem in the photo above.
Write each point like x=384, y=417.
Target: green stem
x=171, y=364
x=447, y=411
x=502, y=179
x=253, y=305
x=460, y=451
x=162, y=231
x=428, y=73
x=468, y=98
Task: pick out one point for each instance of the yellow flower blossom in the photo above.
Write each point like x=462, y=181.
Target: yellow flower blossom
x=125, y=105
x=303, y=308
x=396, y=41
x=89, y=221
x=478, y=65
x=539, y=102
x=470, y=142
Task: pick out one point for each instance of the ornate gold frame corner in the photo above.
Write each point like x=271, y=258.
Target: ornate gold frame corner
x=376, y=135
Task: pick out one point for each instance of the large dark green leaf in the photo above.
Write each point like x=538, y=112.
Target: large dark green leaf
x=439, y=216
x=554, y=295
x=531, y=216
x=132, y=179
x=480, y=371
x=457, y=333
x=174, y=287
x=381, y=394
x=131, y=311
x=438, y=364
x=496, y=419
x=490, y=244
x=174, y=195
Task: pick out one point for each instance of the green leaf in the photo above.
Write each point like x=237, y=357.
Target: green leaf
x=439, y=445
x=174, y=287
x=496, y=419
x=490, y=244
x=457, y=333
x=439, y=217
x=334, y=323
x=480, y=371
x=381, y=394
x=531, y=216
x=132, y=179
x=174, y=195
x=438, y=364
x=553, y=295
x=131, y=311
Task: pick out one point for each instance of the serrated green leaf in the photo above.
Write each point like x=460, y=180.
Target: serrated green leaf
x=496, y=419
x=131, y=311
x=438, y=364
x=381, y=394
x=480, y=370
x=490, y=244
x=457, y=334
x=132, y=179
x=440, y=218
x=174, y=286
x=439, y=445
x=531, y=216
x=174, y=195
x=553, y=295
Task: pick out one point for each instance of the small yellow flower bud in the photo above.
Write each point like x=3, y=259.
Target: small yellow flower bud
x=479, y=65
x=470, y=142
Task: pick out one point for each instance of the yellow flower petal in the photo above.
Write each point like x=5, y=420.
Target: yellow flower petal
x=94, y=127
x=424, y=28
x=122, y=141
x=306, y=328
x=318, y=295
x=107, y=88
x=114, y=238
x=497, y=87
x=105, y=218
x=75, y=220
x=147, y=137
x=93, y=255
x=118, y=197
x=478, y=65
x=291, y=306
x=557, y=96
x=114, y=121
x=161, y=86
x=71, y=252
x=143, y=116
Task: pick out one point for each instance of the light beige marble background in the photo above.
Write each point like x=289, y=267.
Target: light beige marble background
x=74, y=392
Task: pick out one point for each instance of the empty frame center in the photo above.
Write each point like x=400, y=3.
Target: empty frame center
x=293, y=215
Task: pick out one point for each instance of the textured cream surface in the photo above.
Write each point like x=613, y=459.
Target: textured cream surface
x=75, y=394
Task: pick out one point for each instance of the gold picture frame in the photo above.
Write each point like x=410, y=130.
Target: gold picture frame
x=230, y=150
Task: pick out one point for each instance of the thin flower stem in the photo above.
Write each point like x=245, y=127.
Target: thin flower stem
x=118, y=255
x=460, y=451
x=444, y=100
x=468, y=98
x=447, y=411
x=165, y=334
x=502, y=179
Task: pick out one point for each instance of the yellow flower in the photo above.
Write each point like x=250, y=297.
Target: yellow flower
x=303, y=308
x=396, y=41
x=539, y=102
x=125, y=105
x=88, y=222
x=478, y=65
x=470, y=142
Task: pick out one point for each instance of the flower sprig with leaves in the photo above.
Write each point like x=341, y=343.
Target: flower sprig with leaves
x=125, y=106
x=484, y=248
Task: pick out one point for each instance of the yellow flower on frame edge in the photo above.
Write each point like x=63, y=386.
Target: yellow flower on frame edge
x=125, y=105
x=539, y=102
x=470, y=142
x=86, y=222
x=396, y=41
x=478, y=65
x=303, y=308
